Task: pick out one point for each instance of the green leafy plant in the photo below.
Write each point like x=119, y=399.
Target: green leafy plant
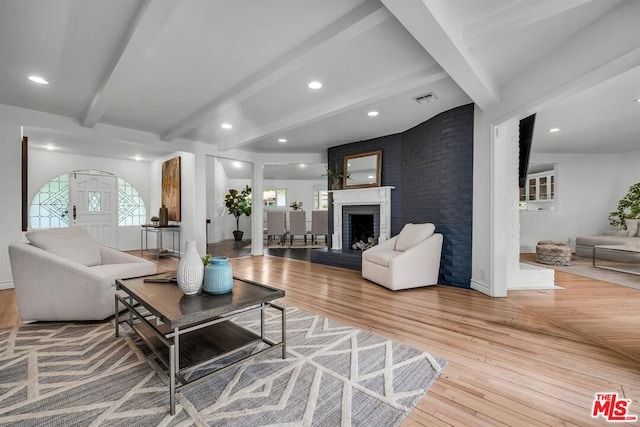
x=154, y=219
x=336, y=174
x=205, y=259
x=628, y=207
x=296, y=205
x=238, y=203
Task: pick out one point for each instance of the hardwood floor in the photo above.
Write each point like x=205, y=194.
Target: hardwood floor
x=533, y=358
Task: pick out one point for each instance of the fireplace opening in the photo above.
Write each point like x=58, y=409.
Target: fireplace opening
x=362, y=231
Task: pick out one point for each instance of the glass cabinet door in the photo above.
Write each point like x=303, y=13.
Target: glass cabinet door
x=532, y=189
x=543, y=188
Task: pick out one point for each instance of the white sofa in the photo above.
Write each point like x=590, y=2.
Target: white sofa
x=408, y=260
x=585, y=244
x=63, y=274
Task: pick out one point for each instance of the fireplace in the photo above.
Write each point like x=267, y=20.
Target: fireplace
x=360, y=223
x=374, y=201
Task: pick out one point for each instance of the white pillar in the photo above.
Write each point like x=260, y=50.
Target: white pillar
x=257, y=209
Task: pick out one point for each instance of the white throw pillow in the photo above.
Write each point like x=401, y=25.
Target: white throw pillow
x=632, y=226
x=412, y=234
x=73, y=243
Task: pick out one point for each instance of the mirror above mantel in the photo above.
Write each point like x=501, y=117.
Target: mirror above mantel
x=363, y=170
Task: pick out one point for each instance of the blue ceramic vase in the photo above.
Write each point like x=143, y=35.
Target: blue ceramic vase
x=218, y=276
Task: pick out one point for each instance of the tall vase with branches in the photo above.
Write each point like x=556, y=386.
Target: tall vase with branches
x=238, y=203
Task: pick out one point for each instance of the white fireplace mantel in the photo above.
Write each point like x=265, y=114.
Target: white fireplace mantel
x=380, y=196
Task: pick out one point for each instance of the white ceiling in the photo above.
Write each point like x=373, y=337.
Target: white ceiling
x=180, y=68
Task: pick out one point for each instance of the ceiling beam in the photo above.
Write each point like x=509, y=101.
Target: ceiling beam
x=608, y=47
x=440, y=34
x=357, y=21
x=149, y=21
x=350, y=101
x=516, y=16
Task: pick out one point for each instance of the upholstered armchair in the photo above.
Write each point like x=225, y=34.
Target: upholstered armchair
x=63, y=274
x=408, y=260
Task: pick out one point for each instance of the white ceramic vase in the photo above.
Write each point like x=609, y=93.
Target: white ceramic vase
x=190, y=269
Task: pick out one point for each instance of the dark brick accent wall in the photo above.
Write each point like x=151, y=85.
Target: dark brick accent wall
x=437, y=186
x=431, y=166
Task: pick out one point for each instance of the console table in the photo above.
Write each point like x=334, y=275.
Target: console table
x=160, y=232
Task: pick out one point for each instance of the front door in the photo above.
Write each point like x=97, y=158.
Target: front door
x=93, y=204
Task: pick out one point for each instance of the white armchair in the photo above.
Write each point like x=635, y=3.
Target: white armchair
x=408, y=260
x=62, y=274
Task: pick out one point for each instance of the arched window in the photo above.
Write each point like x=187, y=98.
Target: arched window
x=49, y=208
x=131, y=209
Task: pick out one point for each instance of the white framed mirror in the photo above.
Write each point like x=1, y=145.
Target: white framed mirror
x=363, y=170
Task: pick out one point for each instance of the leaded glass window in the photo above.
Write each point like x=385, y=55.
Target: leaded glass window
x=94, y=203
x=49, y=206
x=131, y=209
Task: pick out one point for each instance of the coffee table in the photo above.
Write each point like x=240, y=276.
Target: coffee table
x=188, y=332
x=628, y=257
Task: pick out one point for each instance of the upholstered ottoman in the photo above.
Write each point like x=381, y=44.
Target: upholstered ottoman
x=553, y=252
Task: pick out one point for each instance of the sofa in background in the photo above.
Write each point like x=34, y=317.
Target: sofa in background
x=408, y=260
x=63, y=274
x=585, y=244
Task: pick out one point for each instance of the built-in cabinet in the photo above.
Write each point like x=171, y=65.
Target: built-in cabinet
x=540, y=187
x=539, y=192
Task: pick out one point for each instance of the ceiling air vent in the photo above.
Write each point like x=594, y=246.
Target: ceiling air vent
x=427, y=97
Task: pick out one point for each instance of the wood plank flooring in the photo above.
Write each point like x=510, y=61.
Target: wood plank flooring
x=533, y=358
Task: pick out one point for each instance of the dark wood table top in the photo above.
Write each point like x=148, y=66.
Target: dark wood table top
x=175, y=309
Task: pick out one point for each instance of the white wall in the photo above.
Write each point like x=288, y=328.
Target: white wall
x=217, y=184
x=11, y=188
x=192, y=219
x=45, y=165
x=588, y=187
x=629, y=173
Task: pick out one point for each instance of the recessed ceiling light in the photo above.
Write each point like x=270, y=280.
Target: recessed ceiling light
x=50, y=147
x=226, y=126
x=39, y=80
x=638, y=100
x=237, y=164
x=372, y=113
x=554, y=130
x=302, y=165
x=282, y=140
x=315, y=85
x=137, y=158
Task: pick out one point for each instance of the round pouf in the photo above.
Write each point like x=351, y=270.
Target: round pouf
x=553, y=252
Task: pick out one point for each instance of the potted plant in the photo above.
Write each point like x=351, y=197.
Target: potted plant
x=296, y=206
x=628, y=208
x=336, y=176
x=238, y=203
x=154, y=220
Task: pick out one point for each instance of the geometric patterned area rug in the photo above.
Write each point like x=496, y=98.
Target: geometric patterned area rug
x=79, y=374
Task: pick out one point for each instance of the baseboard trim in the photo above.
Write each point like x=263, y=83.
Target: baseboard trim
x=481, y=287
x=6, y=285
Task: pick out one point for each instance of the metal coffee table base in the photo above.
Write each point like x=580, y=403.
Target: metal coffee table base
x=184, y=350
